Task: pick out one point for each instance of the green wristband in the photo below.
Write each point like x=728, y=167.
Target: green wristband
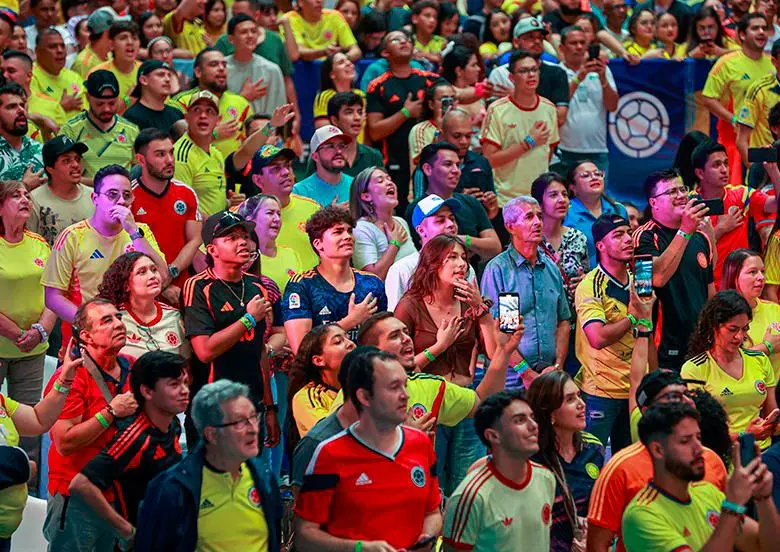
x=246, y=322
x=646, y=323
x=429, y=355
x=267, y=130
x=214, y=134
x=734, y=508
x=769, y=347
x=100, y=418
x=632, y=319
x=395, y=243
x=406, y=113
x=467, y=241
x=61, y=389
x=359, y=546
x=521, y=366
x=685, y=235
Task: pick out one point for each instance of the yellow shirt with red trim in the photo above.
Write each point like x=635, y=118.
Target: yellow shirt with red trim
x=766, y=316
x=760, y=97
x=13, y=498
x=231, y=106
x=165, y=332
x=742, y=398
x=106, y=147
x=321, y=107
x=422, y=134
x=732, y=75
x=81, y=256
x=656, y=521
x=86, y=60
x=127, y=81
x=230, y=503
x=204, y=171
x=489, y=512
x=357, y=492
x=600, y=298
x=54, y=86
x=507, y=124
x=772, y=259
x=293, y=232
x=189, y=37
x=20, y=278
x=311, y=404
x=331, y=29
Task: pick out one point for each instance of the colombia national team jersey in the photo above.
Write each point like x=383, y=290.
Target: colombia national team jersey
x=309, y=295
x=356, y=492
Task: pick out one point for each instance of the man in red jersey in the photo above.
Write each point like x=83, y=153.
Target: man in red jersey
x=372, y=487
x=168, y=206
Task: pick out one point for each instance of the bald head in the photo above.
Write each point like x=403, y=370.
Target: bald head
x=457, y=130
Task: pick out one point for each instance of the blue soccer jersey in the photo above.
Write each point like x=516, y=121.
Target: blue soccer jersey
x=309, y=295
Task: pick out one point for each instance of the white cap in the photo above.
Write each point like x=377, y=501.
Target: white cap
x=428, y=206
x=326, y=134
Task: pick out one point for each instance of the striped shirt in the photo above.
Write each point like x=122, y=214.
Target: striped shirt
x=106, y=147
x=204, y=172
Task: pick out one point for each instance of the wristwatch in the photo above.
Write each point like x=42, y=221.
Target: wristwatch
x=137, y=235
x=642, y=333
x=173, y=270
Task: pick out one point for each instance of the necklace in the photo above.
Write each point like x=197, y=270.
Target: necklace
x=240, y=299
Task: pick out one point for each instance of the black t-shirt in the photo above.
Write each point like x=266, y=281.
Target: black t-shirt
x=143, y=117
x=235, y=176
x=553, y=84
x=476, y=172
x=680, y=301
x=386, y=95
x=211, y=305
x=557, y=24
x=133, y=457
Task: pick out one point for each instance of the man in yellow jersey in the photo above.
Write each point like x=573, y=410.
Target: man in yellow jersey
x=184, y=25
x=320, y=33
x=99, y=48
x=753, y=115
x=83, y=251
x=51, y=78
x=41, y=109
x=728, y=81
x=109, y=137
x=680, y=512
x=211, y=74
x=222, y=483
x=124, y=64
x=199, y=163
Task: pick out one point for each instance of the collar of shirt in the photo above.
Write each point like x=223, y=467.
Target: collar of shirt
x=5, y=144
x=519, y=260
x=577, y=209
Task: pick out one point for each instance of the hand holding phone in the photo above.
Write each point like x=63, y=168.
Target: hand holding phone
x=594, y=50
x=643, y=275
x=747, y=448
x=762, y=155
x=508, y=312
x=423, y=542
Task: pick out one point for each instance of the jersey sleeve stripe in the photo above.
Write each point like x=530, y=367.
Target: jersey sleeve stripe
x=466, y=501
x=600, y=489
x=457, y=545
x=315, y=456
x=128, y=437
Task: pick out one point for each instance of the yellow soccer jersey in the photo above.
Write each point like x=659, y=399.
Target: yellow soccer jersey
x=127, y=81
x=434, y=46
x=321, y=107
x=742, y=398
x=34, y=133
x=766, y=315
x=86, y=61
x=293, y=232
x=231, y=106
x=54, y=86
x=189, y=37
x=732, y=75
x=234, y=504
x=332, y=28
x=48, y=107
x=507, y=124
x=310, y=405
x=422, y=134
x=281, y=268
x=204, y=172
x=601, y=298
x=772, y=259
x=762, y=95
x=657, y=522
x=113, y=146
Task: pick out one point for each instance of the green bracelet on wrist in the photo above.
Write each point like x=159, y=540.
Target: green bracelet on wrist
x=60, y=388
x=733, y=508
x=429, y=355
x=467, y=241
x=406, y=113
x=769, y=347
x=646, y=323
x=214, y=134
x=267, y=130
x=395, y=243
x=632, y=319
x=102, y=419
x=521, y=366
x=685, y=235
x=359, y=546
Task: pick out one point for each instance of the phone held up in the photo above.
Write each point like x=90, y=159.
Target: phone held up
x=508, y=312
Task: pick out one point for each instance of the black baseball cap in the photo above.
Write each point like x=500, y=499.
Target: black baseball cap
x=147, y=67
x=223, y=222
x=266, y=155
x=60, y=145
x=606, y=224
x=101, y=80
x=655, y=381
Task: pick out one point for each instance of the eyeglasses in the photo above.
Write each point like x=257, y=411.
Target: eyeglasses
x=339, y=146
x=149, y=341
x=400, y=39
x=673, y=396
x=590, y=174
x=114, y=195
x=244, y=423
x=673, y=192
x=529, y=71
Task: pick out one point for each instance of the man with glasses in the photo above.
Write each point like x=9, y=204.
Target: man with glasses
x=83, y=251
x=329, y=184
x=225, y=317
x=683, y=276
x=221, y=496
x=519, y=131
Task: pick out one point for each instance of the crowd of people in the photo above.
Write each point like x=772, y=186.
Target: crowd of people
x=425, y=328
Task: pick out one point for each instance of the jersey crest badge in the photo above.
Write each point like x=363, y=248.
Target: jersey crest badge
x=419, y=410
x=294, y=302
x=254, y=497
x=180, y=207
x=418, y=476
x=761, y=387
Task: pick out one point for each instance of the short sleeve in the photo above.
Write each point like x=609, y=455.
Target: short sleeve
x=394, y=285
x=306, y=410
x=366, y=245
x=492, y=284
x=608, y=499
x=405, y=312
x=59, y=269
x=770, y=378
x=193, y=209
x=198, y=319
x=9, y=404
x=457, y=405
x=183, y=172
x=321, y=104
x=296, y=304
x=645, y=530
x=757, y=205
x=75, y=401
x=168, y=27
x=319, y=486
x=717, y=80
x=374, y=102
x=564, y=311
x=692, y=371
x=345, y=37
x=589, y=308
x=491, y=129
x=463, y=518
x=746, y=114
x=645, y=243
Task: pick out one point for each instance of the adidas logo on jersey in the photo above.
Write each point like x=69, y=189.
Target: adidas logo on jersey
x=96, y=254
x=325, y=311
x=507, y=521
x=726, y=392
x=227, y=307
x=141, y=211
x=363, y=480
x=745, y=77
x=206, y=504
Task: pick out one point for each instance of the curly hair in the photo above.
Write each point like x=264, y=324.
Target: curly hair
x=424, y=280
x=724, y=306
x=714, y=424
x=325, y=219
x=114, y=285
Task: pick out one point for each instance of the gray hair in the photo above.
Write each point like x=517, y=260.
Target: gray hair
x=249, y=208
x=207, y=405
x=512, y=210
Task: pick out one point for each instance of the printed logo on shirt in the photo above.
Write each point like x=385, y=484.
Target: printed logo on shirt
x=227, y=307
x=745, y=77
x=233, y=112
x=159, y=453
x=172, y=339
x=775, y=326
x=419, y=410
x=507, y=521
x=592, y=470
x=744, y=112
x=362, y=480
x=96, y=254
x=761, y=387
x=129, y=247
x=141, y=211
x=325, y=311
x=3, y=413
x=702, y=258
x=254, y=497
x=726, y=392
x=546, y=512
x=121, y=138
x=394, y=98
x=686, y=532
x=206, y=504
x=39, y=262
x=180, y=207
x=294, y=302
x=418, y=476
x=713, y=518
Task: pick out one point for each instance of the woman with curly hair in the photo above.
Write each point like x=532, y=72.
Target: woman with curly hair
x=743, y=379
x=132, y=283
x=573, y=456
x=314, y=381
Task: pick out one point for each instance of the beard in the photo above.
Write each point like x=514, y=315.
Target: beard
x=162, y=174
x=17, y=129
x=682, y=470
x=217, y=88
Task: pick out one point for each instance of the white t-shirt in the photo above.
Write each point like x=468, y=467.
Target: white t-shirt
x=400, y=274
x=371, y=243
x=164, y=333
x=585, y=129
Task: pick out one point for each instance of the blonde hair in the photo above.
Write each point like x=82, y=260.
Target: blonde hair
x=7, y=187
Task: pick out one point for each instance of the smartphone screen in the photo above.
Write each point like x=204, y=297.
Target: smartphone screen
x=643, y=275
x=508, y=312
x=593, y=51
x=447, y=103
x=762, y=155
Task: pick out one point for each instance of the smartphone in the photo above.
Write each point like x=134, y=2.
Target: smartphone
x=75, y=351
x=715, y=206
x=762, y=155
x=593, y=51
x=422, y=543
x=643, y=275
x=508, y=312
x=747, y=448
x=447, y=103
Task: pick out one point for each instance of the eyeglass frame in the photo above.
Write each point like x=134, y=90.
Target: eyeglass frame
x=672, y=192
x=127, y=195
x=245, y=422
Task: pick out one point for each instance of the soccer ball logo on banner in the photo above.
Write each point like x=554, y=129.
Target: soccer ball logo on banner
x=640, y=125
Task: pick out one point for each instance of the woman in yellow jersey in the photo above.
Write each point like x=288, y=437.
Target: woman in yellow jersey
x=496, y=38
x=666, y=31
x=742, y=379
x=214, y=21
x=427, y=44
x=743, y=270
x=642, y=27
x=350, y=9
x=337, y=74
x=314, y=378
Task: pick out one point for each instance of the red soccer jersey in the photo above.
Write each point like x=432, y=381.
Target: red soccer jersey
x=83, y=401
x=355, y=492
x=166, y=215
